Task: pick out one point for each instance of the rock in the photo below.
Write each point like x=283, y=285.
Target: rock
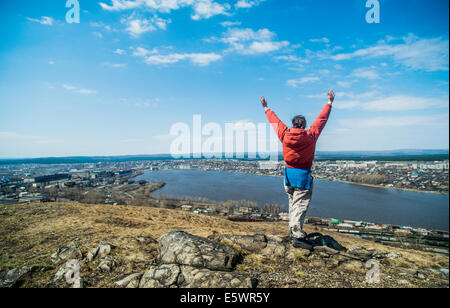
x=266, y=245
x=78, y=283
x=70, y=273
x=13, y=278
x=106, y=264
x=92, y=254
x=164, y=276
x=249, y=243
x=324, y=251
x=276, y=247
x=146, y=239
x=181, y=248
x=202, y=278
x=64, y=254
x=360, y=252
x=181, y=276
x=440, y=271
x=443, y=271
x=420, y=275
x=103, y=251
x=99, y=252
x=131, y=281
x=297, y=254
x=386, y=255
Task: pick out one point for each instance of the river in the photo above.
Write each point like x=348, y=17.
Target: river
x=330, y=199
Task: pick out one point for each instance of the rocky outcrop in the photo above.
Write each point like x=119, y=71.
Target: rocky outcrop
x=99, y=252
x=64, y=254
x=219, y=261
x=70, y=272
x=130, y=282
x=14, y=277
x=181, y=276
x=266, y=245
x=182, y=248
x=188, y=261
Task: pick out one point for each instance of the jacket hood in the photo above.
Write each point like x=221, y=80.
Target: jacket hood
x=297, y=137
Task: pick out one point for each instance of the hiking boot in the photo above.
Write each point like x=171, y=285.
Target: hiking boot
x=302, y=243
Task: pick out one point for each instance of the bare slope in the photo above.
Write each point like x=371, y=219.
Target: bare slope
x=30, y=234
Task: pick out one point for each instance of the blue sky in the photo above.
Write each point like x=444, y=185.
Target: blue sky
x=115, y=83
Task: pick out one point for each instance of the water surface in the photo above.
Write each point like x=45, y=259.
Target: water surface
x=330, y=199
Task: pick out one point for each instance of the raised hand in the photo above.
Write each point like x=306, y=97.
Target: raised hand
x=263, y=102
x=331, y=96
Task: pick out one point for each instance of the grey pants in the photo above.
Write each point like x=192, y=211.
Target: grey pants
x=299, y=200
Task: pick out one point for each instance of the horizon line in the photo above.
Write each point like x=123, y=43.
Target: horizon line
x=202, y=154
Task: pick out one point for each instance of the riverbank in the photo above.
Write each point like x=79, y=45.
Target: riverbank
x=385, y=187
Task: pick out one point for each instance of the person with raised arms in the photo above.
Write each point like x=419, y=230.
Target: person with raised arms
x=299, y=147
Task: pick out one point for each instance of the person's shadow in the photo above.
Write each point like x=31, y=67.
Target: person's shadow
x=318, y=239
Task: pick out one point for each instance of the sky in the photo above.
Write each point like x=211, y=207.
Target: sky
x=117, y=81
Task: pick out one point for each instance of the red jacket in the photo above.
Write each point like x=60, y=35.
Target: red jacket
x=299, y=145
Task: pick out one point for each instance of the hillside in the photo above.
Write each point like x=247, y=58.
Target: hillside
x=31, y=234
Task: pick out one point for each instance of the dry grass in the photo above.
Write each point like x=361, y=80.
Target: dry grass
x=31, y=233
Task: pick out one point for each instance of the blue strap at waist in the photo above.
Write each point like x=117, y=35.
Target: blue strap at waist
x=298, y=178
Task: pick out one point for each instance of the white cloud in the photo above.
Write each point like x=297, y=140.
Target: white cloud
x=202, y=9
x=51, y=62
x=205, y=9
x=153, y=57
x=202, y=59
x=69, y=87
x=97, y=34
x=295, y=82
x=412, y=52
x=13, y=136
x=320, y=40
x=294, y=62
x=246, y=4
x=249, y=42
x=366, y=73
x=142, y=52
x=120, y=51
x=100, y=25
x=394, y=103
x=264, y=47
x=292, y=58
x=81, y=91
x=86, y=91
x=115, y=65
x=227, y=24
x=344, y=84
x=47, y=21
x=399, y=121
x=136, y=26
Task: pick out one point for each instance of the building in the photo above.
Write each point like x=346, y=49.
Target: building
x=186, y=207
x=284, y=216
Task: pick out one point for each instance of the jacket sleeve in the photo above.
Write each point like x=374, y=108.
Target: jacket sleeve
x=279, y=127
x=321, y=121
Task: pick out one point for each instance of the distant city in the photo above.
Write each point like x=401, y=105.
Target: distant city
x=26, y=182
